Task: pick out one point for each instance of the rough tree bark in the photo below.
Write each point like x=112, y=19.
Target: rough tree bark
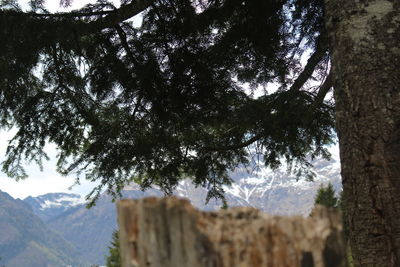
x=169, y=232
x=365, y=47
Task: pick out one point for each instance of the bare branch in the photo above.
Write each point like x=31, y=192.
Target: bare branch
x=125, y=45
x=324, y=89
x=312, y=62
x=119, y=15
x=69, y=14
x=109, y=19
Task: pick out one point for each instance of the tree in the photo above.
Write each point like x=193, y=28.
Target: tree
x=114, y=257
x=326, y=196
x=162, y=101
x=366, y=90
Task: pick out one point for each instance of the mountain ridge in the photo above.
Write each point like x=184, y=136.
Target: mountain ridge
x=50, y=205
x=26, y=241
x=274, y=192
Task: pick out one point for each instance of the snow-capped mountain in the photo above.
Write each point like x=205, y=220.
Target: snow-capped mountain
x=273, y=191
x=26, y=241
x=51, y=205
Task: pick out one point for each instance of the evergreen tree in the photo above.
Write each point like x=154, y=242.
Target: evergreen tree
x=164, y=100
x=114, y=257
x=326, y=196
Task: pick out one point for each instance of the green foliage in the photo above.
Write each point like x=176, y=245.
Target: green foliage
x=114, y=258
x=162, y=101
x=326, y=196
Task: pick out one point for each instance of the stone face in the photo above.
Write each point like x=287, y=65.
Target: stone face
x=169, y=232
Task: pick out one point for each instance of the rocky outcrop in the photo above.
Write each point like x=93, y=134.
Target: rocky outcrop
x=169, y=232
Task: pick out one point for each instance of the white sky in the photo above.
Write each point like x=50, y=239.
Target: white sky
x=54, y=5
x=38, y=182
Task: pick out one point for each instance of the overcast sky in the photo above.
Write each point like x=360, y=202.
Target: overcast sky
x=39, y=182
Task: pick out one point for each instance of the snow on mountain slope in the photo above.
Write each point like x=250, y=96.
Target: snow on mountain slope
x=51, y=205
x=25, y=241
x=273, y=191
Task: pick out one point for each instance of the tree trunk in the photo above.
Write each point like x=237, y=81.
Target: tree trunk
x=365, y=48
x=169, y=232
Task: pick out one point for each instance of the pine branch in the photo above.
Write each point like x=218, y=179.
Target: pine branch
x=234, y=147
x=312, y=62
x=319, y=98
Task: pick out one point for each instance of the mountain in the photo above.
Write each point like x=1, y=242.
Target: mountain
x=278, y=193
x=26, y=241
x=89, y=230
x=51, y=205
x=57, y=229
x=275, y=192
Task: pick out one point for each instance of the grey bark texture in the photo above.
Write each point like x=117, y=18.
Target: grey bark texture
x=169, y=232
x=365, y=49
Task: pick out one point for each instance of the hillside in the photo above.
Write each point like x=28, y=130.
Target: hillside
x=26, y=241
x=272, y=191
x=51, y=205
